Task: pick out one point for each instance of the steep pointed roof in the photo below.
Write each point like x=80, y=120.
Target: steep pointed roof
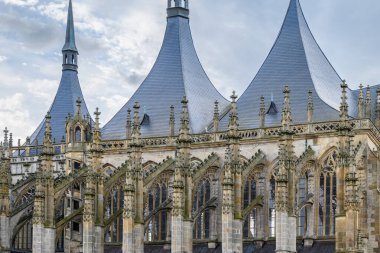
x=295, y=60
x=177, y=72
x=69, y=90
x=70, y=32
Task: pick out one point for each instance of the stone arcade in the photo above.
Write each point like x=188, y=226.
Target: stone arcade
x=290, y=166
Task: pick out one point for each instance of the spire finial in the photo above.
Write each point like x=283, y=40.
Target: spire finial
x=136, y=125
x=69, y=50
x=216, y=116
x=233, y=125
x=262, y=112
x=377, y=121
x=78, y=102
x=184, y=129
x=96, y=134
x=47, y=143
x=368, y=103
x=310, y=107
x=286, y=111
x=129, y=123
x=171, y=121
x=6, y=131
x=361, y=102
x=343, y=103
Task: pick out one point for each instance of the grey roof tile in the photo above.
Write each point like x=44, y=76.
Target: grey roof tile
x=177, y=72
x=295, y=60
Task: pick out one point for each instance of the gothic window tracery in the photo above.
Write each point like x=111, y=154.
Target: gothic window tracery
x=156, y=229
x=250, y=194
x=327, y=196
x=113, y=208
x=202, y=224
x=302, y=191
x=271, y=205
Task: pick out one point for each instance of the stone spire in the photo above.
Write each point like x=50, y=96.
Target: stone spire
x=310, y=107
x=6, y=142
x=172, y=121
x=216, y=116
x=184, y=130
x=135, y=135
x=96, y=137
x=129, y=124
x=48, y=144
x=286, y=120
x=233, y=124
x=78, y=110
x=377, y=121
x=343, y=103
x=69, y=50
x=368, y=103
x=361, y=102
x=262, y=112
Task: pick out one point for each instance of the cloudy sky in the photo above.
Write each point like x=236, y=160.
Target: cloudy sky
x=118, y=41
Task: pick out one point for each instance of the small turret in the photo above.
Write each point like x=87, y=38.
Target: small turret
x=178, y=8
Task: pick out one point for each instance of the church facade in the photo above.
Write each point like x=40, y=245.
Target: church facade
x=292, y=165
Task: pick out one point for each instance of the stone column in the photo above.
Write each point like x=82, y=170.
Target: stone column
x=89, y=216
x=38, y=216
x=188, y=221
x=310, y=230
x=99, y=222
x=286, y=221
x=177, y=245
x=227, y=212
x=128, y=213
x=5, y=240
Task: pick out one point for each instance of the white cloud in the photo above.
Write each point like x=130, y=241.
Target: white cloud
x=21, y=2
x=3, y=58
x=14, y=114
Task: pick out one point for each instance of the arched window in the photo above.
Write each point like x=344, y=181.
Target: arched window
x=301, y=197
x=250, y=224
x=157, y=225
x=271, y=204
x=72, y=59
x=24, y=237
x=201, y=229
x=66, y=61
x=327, y=196
x=115, y=203
x=78, y=134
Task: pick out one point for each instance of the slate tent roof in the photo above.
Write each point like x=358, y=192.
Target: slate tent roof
x=295, y=60
x=68, y=91
x=176, y=72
